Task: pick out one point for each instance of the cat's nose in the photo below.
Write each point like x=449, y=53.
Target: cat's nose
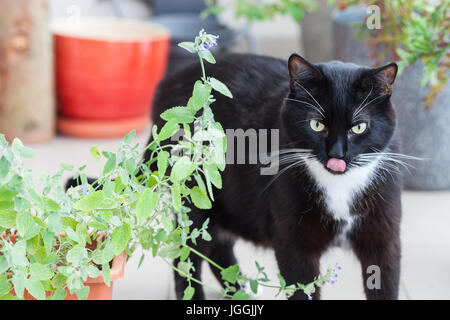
x=337, y=150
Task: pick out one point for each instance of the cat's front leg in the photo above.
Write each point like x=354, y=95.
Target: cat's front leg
x=379, y=254
x=297, y=266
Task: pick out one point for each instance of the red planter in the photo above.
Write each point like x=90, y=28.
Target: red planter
x=107, y=71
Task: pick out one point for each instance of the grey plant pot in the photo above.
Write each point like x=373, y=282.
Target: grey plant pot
x=317, y=35
x=424, y=133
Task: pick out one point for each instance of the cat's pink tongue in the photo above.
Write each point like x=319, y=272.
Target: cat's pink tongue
x=336, y=165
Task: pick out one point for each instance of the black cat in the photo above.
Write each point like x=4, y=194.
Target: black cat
x=338, y=175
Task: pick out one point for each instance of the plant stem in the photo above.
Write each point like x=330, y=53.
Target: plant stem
x=203, y=68
x=205, y=258
x=193, y=279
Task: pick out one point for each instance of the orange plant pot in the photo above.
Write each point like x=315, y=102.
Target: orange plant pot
x=98, y=290
x=107, y=70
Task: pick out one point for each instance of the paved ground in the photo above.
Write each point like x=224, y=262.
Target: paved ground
x=425, y=240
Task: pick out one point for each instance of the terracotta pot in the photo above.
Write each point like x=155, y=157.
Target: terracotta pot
x=107, y=70
x=98, y=290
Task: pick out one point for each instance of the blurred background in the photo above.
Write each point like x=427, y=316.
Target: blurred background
x=77, y=73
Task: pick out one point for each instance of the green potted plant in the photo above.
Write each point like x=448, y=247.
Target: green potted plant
x=414, y=33
x=55, y=242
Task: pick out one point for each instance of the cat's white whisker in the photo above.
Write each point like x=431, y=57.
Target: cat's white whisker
x=318, y=104
x=308, y=105
x=357, y=111
x=367, y=104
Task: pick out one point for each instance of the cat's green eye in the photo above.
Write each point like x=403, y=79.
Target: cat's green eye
x=316, y=125
x=360, y=128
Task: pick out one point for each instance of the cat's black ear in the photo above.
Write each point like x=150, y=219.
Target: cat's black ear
x=301, y=71
x=382, y=78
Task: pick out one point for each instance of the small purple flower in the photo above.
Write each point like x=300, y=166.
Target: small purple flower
x=209, y=42
x=84, y=190
x=309, y=297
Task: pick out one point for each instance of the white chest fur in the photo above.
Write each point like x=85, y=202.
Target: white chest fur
x=340, y=190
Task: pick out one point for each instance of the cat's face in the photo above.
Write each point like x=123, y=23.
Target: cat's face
x=339, y=111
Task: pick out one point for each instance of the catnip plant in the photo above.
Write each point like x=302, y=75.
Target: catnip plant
x=52, y=240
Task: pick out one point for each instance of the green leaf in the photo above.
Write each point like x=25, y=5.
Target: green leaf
x=59, y=280
x=146, y=204
x=3, y=142
x=188, y=293
x=35, y=288
x=18, y=281
x=120, y=238
x=69, y=222
x=77, y=255
x=91, y=202
x=282, y=281
x=161, y=235
x=66, y=271
x=168, y=130
x=8, y=219
x=230, y=274
x=93, y=271
x=59, y=294
x=200, y=199
x=178, y=114
x=220, y=87
x=22, y=151
x=5, y=165
x=5, y=286
x=26, y=226
x=182, y=169
x=129, y=137
x=52, y=257
x=83, y=293
x=95, y=153
x=3, y=264
x=184, y=253
x=206, y=236
x=104, y=256
x=213, y=174
x=110, y=164
x=254, y=286
x=176, y=195
x=6, y=193
x=189, y=46
x=171, y=251
x=67, y=167
x=207, y=55
x=106, y=274
x=98, y=225
x=72, y=235
x=240, y=295
x=40, y=272
x=200, y=95
x=49, y=205
x=184, y=269
x=49, y=239
x=162, y=161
